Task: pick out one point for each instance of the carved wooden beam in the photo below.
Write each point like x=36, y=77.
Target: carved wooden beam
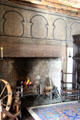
x=51, y=5
x=68, y=3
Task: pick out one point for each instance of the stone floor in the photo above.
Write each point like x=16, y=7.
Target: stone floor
x=27, y=117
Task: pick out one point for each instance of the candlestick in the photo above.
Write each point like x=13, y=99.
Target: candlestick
x=1, y=52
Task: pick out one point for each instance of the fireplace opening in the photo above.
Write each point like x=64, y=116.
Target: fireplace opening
x=38, y=71
x=41, y=78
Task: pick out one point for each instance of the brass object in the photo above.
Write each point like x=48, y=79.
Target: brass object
x=1, y=49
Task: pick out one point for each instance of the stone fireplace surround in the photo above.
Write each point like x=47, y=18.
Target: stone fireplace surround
x=41, y=62
x=36, y=35
x=35, y=61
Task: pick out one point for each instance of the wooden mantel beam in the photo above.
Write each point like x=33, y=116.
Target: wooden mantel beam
x=31, y=50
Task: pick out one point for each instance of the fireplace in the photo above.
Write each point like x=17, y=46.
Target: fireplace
x=40, y=72
x=37, y=64
x=40, y=63
x=36, y=74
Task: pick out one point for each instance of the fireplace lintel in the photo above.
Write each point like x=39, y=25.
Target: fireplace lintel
x=32, y=50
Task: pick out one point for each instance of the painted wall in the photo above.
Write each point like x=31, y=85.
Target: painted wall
x=28, y=25
x=25, y=24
